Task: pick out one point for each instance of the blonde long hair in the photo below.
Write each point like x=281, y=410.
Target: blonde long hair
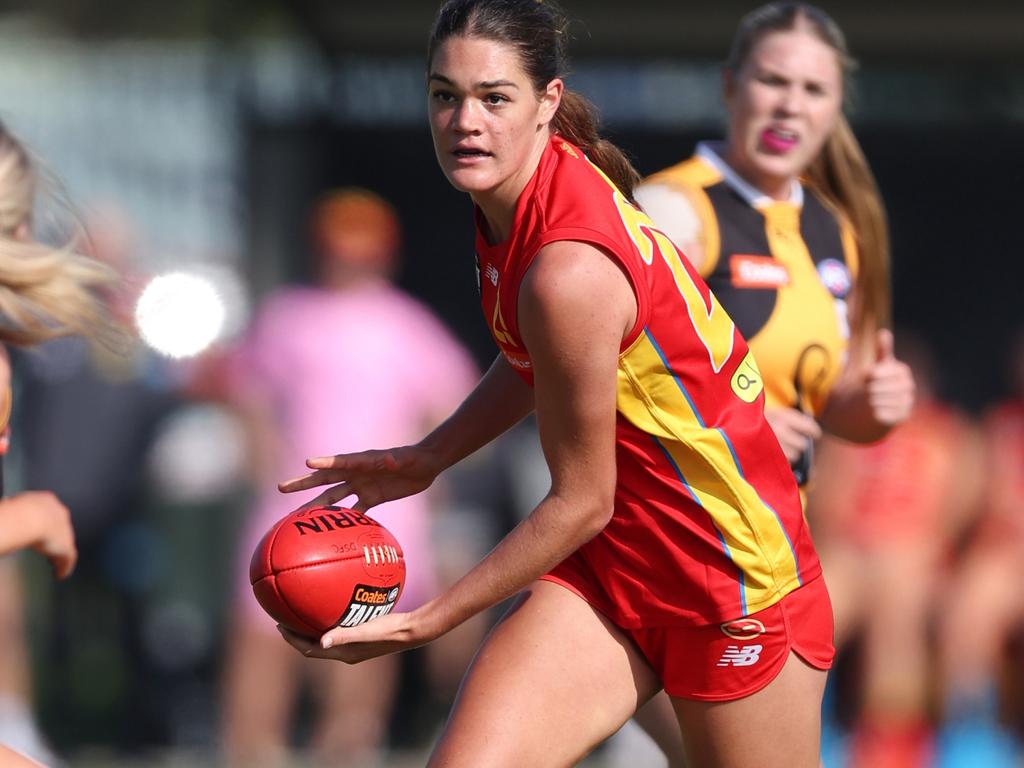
x=45, y=292
x=840, y=173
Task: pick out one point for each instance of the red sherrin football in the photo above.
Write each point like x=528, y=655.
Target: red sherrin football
x=321, y=568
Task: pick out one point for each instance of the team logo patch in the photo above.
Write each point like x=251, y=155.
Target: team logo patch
x=750, y=271
x=746, y=382
x=835, y=277
x=743, y=629
x=367, y=603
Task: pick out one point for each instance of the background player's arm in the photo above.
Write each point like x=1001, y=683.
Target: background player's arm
x=37, y=519
x=574, y=346
x=870, y=399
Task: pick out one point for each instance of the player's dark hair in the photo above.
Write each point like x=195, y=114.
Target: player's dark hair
x=538, y=31
x=840, y=173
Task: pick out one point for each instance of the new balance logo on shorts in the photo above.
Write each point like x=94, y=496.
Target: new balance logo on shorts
x=735, y=656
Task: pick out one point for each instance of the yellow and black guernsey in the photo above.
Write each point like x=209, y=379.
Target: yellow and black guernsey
x=783, y=271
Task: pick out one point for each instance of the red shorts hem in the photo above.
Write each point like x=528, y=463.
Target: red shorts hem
x=731, y=660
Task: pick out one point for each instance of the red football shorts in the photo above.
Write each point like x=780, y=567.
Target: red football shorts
x=721, y=662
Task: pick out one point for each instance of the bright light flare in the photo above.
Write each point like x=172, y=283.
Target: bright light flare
x=179, y=314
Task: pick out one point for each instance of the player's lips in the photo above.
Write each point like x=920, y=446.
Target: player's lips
x=469, y=154
x=778, y=140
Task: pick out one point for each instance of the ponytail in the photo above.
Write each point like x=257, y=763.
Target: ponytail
x=842, y=176
x=577, y=121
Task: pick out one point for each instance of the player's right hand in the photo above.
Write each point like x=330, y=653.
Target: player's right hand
x=54, y=538
x=794, y=429
x=373, y=477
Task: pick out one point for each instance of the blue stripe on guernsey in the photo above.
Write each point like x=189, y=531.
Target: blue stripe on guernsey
x=652, y=397
x=739, y=468
x=732, y=452
x=668, y=368
x=721, y=537
x=686, y=485
x=789, y=541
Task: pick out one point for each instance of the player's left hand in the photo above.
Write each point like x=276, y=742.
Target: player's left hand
x=889, y=383
x=386, y=634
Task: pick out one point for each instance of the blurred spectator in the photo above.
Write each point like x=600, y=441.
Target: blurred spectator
x=984, y=606
x=885, y=518
x=350, y=362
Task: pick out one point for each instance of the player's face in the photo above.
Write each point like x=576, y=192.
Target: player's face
x=488, y=122
x=782, y=104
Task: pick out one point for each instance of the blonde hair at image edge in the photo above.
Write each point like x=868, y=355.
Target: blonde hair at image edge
x=45, y=292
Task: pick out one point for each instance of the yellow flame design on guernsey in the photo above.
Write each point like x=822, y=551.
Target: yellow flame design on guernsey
x=498, y=327
x=652, y=399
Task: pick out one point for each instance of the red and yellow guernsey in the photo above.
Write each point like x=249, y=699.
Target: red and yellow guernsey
x=707, y=524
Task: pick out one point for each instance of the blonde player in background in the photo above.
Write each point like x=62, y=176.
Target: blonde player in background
x=45, y=293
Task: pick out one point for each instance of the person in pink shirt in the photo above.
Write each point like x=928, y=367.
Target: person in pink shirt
x=352, y=361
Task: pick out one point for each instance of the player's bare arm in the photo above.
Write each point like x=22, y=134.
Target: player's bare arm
x=574, y=346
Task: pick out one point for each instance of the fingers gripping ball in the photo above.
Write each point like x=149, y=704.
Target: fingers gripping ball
x=327, y=567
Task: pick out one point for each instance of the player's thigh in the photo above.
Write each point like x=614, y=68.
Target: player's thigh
x=776, y=727
x=552, y=680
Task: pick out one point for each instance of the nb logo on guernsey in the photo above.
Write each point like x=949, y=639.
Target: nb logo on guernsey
x=735, y=656
x=492, y=274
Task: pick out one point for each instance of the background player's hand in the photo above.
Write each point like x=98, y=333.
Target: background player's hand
x=794, y=429
x=48, y=525
x=378, y=637
x=372, y=476
x=889, y=383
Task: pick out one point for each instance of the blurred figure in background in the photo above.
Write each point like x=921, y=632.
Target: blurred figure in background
x=45, y=293
x=886, y=518
x=984, y=607
x=351, y=361
x=785, y=223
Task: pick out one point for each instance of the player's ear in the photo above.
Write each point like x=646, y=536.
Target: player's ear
x=550, y=100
